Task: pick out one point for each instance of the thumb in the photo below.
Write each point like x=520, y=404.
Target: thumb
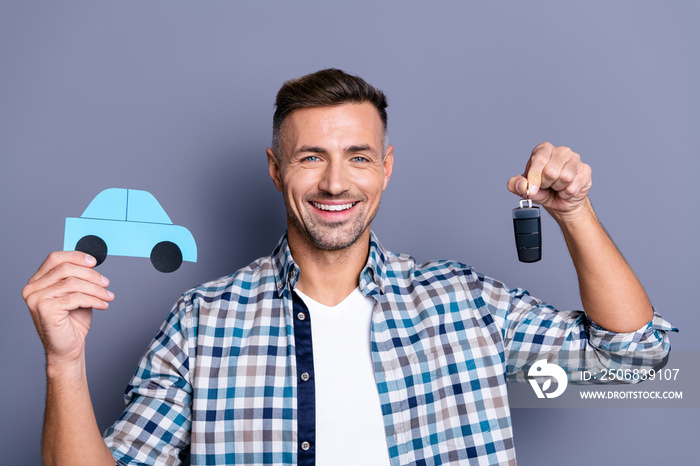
x=518, y=185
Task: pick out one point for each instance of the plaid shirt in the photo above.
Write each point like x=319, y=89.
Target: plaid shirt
x=224, y=374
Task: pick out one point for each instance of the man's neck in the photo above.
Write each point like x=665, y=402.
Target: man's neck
x=328, y=276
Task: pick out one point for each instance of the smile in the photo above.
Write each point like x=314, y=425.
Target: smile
x=333, y=207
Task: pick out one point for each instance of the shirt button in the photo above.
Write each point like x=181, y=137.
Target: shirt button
x=301, y=316
x=280, y=285
x=305, y=445
x=305, y=376
x=293, y=273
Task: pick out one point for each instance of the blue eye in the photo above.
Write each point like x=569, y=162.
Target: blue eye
x=360, y=159
x=310, y=158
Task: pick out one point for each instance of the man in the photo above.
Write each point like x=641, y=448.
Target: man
x=334, y=350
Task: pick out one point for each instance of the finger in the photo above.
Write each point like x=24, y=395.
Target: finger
x=75, y=301
x=71, y=302
x=58, y=257
x=77, y=285
x=580, y=186
x=539, y=159
x=567, y=173
x=552, y=172
x=62, y=271
x=64, y=279
x=70, y=286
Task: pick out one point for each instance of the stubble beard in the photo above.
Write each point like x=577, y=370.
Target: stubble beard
x=332, y=236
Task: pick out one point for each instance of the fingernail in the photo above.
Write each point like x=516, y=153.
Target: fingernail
x=534, y=189
x=90, y=260
x=104, y=279
x=519, y=186
x=110, y=294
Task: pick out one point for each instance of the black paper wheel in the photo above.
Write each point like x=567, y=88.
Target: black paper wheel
x=166, y=257
x=93, y=245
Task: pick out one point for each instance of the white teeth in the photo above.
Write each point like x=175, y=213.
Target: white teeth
x=333, y=208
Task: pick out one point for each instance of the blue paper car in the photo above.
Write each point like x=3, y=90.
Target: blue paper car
x=129, y=222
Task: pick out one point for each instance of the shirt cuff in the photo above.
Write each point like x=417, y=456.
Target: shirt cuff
x=650, y=341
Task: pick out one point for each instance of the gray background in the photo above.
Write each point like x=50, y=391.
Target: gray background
x=177, y=98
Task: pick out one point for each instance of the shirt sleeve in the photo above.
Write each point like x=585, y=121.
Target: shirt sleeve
x=533, y=330
x=154, y=428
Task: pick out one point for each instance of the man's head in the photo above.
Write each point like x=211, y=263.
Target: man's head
x=325, y=88
x=331, y=161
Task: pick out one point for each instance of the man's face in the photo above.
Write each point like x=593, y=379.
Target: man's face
x=332, y=172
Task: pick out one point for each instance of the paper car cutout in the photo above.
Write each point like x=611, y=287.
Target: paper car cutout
x=129, y=222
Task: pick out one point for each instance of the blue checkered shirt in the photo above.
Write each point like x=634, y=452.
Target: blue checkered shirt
x=223, y=375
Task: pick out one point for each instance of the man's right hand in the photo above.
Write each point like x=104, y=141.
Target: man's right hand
x=61, y=296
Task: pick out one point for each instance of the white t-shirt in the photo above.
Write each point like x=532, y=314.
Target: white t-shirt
x=349, y=425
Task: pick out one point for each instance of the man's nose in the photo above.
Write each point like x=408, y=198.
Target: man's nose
x=335, y=178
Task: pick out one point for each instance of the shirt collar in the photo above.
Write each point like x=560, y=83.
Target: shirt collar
x=286, y=270
x=372, y=277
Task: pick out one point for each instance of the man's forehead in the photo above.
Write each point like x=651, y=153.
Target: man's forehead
x=352, y=120
x=362, y=111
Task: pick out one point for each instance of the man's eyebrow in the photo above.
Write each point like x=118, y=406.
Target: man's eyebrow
x=317, y=150
x=363, y=148
x=320, y=150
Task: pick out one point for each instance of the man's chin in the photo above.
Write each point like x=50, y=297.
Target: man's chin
x=329, y=244
x=334, y=241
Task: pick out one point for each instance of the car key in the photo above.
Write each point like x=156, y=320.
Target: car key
x=528, y=230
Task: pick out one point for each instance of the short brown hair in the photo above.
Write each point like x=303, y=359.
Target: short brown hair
x=325, y=88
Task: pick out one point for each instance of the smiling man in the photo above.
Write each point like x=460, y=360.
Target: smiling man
x=332, y=168
x=333, y=350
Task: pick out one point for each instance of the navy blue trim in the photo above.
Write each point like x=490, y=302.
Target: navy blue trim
x=306, y=390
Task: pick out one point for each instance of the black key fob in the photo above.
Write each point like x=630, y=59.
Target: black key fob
x=528, y=231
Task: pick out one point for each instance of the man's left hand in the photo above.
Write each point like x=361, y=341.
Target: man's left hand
x=558, y=180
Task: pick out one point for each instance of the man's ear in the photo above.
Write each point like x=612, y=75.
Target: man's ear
x=388, y=165
x=274, y=168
